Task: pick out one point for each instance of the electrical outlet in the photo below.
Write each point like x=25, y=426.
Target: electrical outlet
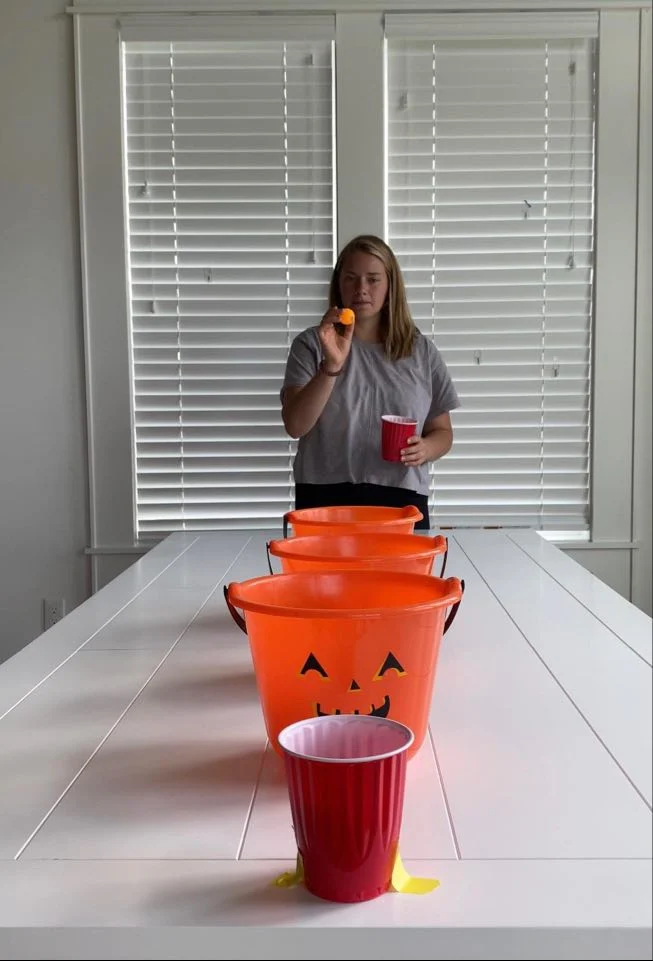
x=53, y=611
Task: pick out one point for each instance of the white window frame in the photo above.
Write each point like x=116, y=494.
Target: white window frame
x=360, y=191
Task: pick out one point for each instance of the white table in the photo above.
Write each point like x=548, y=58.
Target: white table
x=141, y=812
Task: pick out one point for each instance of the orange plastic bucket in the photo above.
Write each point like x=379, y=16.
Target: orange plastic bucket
x=410, y=553
x=363, y=642
x=346, y=520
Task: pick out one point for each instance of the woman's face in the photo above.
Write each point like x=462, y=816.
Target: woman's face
x=363, y=285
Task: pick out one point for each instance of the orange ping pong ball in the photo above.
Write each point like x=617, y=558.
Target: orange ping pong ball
x=347, y=316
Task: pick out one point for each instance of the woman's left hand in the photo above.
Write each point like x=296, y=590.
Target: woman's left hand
x=435, y=442
x=417, y=452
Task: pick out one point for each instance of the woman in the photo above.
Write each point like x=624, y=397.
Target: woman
x=340, y=380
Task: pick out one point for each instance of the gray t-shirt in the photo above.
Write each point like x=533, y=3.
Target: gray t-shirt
x=345, y=443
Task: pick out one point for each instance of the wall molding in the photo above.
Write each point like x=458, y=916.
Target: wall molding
x=270, y=7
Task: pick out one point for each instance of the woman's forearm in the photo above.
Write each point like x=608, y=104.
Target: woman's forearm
x=438, y=442
x=302, y=408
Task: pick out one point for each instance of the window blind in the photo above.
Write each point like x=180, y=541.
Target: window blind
x=229, y=170
x=490, y=210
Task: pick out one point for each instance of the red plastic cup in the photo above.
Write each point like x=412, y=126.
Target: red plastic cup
x=395, y=432
x=346, y=779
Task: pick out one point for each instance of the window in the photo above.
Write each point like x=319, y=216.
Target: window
x=591, y=211
x=230, y=242
x=228, y=155
x=490, y=210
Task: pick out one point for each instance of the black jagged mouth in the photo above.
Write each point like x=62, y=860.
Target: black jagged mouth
x=381, y=711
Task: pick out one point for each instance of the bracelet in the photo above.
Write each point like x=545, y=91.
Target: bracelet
x=330, y=373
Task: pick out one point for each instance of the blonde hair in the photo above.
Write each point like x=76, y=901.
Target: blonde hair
x=398, y=330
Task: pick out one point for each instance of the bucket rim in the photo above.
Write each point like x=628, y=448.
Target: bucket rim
x=408, y=733
x=450, y=594
x=286, y=547
x=394, y=514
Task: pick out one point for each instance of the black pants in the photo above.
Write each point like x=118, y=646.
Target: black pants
x=361, y=495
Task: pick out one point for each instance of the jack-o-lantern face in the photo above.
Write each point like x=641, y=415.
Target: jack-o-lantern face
x=353, y=689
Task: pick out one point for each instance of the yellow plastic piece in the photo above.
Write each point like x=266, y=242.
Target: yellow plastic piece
x=401, y=881
x=289, y=879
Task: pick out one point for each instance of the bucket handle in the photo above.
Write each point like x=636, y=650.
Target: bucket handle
x=267, y=549
x=444, y=558
x=437, y=543
x=454, y=610
x=237, y=616
x=285, y=526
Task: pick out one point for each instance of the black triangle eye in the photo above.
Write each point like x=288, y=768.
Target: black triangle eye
x=390, y=664
x=312, y=664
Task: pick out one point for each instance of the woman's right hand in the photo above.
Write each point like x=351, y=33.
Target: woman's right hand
x=335, y=340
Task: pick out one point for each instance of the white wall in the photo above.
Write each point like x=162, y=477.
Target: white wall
x=43, y=475
x=642, y=562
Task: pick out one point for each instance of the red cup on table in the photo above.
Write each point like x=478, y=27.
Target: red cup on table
x=395, y=432
x=346, y=778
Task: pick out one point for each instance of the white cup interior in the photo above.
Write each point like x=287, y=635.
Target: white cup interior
x=396, y=419
x=346, y=738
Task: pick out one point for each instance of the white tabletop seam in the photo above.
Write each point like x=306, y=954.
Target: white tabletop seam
x=447, y=806
x=250, y=809
x=557, y=680
x=284, y=860
x=576, y=598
